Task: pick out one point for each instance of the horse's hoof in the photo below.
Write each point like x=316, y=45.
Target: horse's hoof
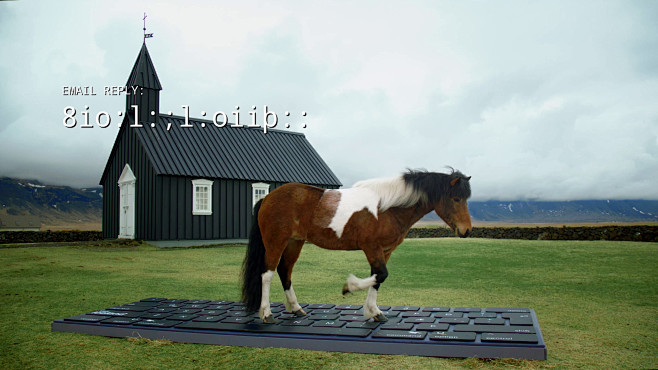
x=346, y=289
x=299, y=313
x=269, y=320
x=380, y=317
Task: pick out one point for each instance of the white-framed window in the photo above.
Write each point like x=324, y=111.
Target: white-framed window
x=258, y=191
x=201, y=197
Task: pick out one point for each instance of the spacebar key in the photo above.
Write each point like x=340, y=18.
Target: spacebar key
x=272, y=328
x=319, y=330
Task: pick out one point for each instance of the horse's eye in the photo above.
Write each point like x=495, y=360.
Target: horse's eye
x=456, y=199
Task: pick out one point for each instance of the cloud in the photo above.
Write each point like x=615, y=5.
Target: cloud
x=540, y=100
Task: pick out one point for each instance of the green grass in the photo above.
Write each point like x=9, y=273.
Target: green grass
x=596, y=301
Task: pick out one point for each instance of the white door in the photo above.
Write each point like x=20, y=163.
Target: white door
x=127, y=203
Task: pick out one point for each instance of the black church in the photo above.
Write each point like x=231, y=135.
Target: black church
x=163, y=181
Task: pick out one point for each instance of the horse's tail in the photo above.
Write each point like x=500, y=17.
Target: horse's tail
x=253, y=266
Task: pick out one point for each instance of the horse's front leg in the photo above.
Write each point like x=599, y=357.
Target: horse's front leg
x=370, y=308
x=378, y=274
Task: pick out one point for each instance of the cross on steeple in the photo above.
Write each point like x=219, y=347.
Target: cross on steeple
x=146, y=35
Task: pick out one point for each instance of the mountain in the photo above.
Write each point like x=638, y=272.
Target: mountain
x=575, y=211
x=63, y=207
x=29, y=201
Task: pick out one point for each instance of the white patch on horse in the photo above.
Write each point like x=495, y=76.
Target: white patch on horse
x=355, y=284
x=291, y=300
x=393, y=192
x=352, y=200
x=265, y=309
x=370, y=308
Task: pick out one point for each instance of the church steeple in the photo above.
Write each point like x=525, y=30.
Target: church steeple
x=144, y=88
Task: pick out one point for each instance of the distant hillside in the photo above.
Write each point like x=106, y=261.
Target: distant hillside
x=63, y=207
x=576, y=211
x=54, y=207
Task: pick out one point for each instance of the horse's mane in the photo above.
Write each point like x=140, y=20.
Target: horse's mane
x=416, y=186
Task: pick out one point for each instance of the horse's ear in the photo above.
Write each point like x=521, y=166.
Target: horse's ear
x=454, y=181
x=467, y=178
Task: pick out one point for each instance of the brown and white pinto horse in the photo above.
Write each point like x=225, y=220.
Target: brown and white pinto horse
x=374, y=216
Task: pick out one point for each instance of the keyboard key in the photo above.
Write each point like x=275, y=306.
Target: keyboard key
x=449, y=314
x=237, y=313
x=125, y=307
x=416, y=314
x=405, y=308
x=518, y=318
x=208, y=318
x=320, y=306
x=436, y=309
x=510, y=337
x=162, y=309
x=301, y=322
x=467, y=309
x=495, y=329
x=313, y=316
x=182, y=317
x=186, y=311
x=391, y=314
x=485, y=321
x=482, y=315
x=454, y=320
x=397, y=326
x=238, y=319
x=116, y=313
x=452, y=336
x=155, y=315
x=194, y=306
x=324, y=311
x=363, y=324
x=120, y=320
x=158, y=323
x=88, y=318
x=507, y=310
x=433, y=327
x=349, y=307
x=417, y=320
x=399, y=334
x=329, y=323
x=211, y=312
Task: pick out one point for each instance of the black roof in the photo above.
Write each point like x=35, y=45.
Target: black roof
x=208, y=151
x=143, y=72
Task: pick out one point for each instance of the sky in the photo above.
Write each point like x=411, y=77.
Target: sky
x=540, y=100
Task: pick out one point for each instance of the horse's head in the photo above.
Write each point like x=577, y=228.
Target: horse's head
x=452, y=207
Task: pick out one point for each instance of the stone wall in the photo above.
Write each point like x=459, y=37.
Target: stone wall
x=12, y=237
x=639, y=233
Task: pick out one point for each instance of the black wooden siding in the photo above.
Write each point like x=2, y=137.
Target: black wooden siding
x=231, y=210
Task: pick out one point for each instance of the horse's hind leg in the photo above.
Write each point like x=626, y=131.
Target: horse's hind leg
x=288, y=259
x=272, y=257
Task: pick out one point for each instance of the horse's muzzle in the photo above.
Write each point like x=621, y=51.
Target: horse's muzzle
x=465, y=234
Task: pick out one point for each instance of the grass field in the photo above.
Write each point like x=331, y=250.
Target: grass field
x=597, y=302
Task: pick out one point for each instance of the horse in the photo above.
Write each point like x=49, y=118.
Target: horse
x=374, y=216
